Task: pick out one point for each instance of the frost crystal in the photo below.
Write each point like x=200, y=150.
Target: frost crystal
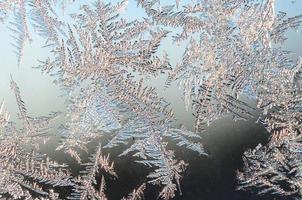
x=276, y=169
x=23, y=172
x=233, y=50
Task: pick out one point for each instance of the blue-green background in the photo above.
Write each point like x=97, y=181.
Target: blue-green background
x=206, y=178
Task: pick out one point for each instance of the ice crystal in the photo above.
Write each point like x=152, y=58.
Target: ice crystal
x=105, y=49
x=23, y=173
x=97, y=58
x=41, y=15
x=275, y=169
x=137, y=194
x=34, y=127
x=228, y=44
x=85, y=188
x=86, y=184
x=232, y=51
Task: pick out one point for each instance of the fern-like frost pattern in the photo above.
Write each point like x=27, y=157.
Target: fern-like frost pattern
x=233, y=51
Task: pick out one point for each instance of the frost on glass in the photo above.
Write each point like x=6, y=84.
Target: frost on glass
x=100, y=60
x=229, y=48
x=234, y=51
x=276, y=168
x=25, y=171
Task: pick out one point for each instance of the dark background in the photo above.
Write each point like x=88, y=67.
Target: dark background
x=207, y=178
x=211, y=177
